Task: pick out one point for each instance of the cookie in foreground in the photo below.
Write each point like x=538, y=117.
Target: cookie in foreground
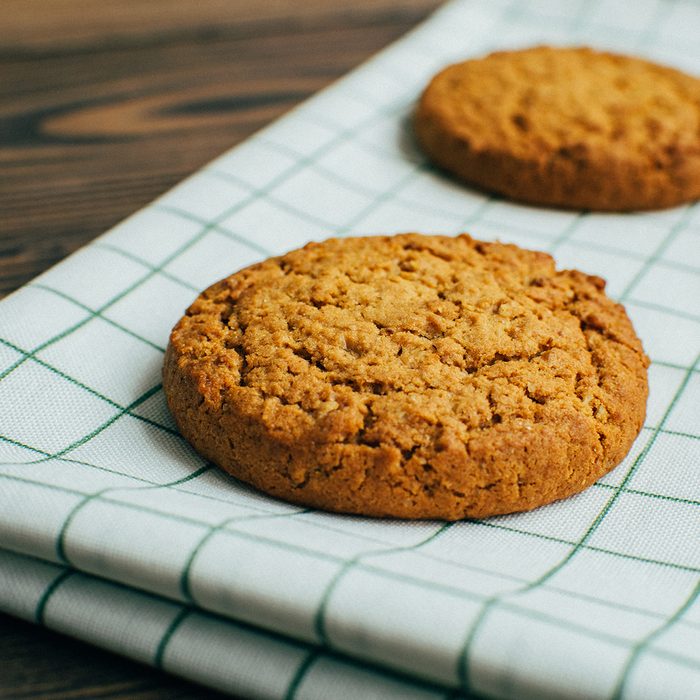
x=567, y=127
x=412, y=376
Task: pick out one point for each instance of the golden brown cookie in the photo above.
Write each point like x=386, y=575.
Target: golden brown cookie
x=566, y=127
x=412, y=376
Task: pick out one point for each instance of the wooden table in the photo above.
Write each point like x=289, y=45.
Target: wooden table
x=105, y=105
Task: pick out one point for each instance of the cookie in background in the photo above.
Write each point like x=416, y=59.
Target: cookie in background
x=566, y=127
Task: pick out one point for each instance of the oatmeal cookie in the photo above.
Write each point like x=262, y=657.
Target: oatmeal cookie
x=566, y=127
x=411, y=376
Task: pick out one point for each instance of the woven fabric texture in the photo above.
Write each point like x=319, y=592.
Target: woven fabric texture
x=113, y=530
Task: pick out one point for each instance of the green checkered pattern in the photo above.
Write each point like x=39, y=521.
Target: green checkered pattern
x=113, y=530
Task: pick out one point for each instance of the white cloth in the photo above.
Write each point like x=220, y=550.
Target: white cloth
x=115, y=531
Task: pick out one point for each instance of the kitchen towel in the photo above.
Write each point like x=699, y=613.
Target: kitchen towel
x=112, y=529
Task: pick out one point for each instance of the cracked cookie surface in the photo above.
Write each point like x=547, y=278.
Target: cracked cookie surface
x=411, y=376
x=568, y=127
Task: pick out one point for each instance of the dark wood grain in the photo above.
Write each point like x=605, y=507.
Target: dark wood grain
x=37, y=663
x=105, y=105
